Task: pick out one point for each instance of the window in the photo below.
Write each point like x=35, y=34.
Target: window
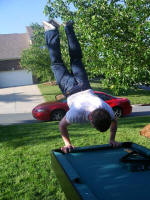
x=103, y=96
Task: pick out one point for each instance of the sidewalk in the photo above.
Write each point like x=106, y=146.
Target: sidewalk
x=139, y=110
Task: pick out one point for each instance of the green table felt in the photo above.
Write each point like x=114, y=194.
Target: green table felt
x=107, y=177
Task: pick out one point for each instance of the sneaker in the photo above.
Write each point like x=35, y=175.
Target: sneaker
x=51, y=25
x=54, y=23
x=69, y=23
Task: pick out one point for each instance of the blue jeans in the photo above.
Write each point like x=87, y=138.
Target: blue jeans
x=76, y=81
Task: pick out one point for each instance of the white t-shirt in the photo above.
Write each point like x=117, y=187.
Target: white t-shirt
x=81, y=104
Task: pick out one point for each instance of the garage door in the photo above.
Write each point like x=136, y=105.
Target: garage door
x=15, y=78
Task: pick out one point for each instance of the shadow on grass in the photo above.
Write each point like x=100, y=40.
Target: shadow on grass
x=35, y=134
x=134, y=122
x=28, y=134
x=48, y=132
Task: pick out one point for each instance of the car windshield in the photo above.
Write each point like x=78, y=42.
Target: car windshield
x=63, y=100
x=105, y=97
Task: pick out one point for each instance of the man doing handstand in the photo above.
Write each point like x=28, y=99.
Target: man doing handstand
x=84, y=105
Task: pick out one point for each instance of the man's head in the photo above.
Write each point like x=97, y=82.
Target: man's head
x=100, y=119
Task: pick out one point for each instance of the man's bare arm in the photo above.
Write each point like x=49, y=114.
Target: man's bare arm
x=63, y=124
x=113, y=130
x=65, y=135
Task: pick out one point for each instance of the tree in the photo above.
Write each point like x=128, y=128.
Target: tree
x=114, y=35
x=36, y=57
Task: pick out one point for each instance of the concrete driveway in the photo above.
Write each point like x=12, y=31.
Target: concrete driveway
x=20, y=99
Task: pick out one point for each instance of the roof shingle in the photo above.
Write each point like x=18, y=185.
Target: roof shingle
x=11, y=45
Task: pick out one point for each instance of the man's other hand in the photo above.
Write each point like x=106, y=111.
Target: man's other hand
x=113, y=143
x=67, y=148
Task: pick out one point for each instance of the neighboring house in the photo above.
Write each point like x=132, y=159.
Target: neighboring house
x=11, y=47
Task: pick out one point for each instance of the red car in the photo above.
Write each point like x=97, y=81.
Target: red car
x=55, y=111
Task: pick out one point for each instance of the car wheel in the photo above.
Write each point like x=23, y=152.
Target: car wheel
x=57, y=115
x=117, y=111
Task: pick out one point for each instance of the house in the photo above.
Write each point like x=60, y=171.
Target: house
x=11, y=47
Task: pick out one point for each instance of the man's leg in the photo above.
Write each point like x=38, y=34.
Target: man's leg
x=75, y=52
x=63, y=78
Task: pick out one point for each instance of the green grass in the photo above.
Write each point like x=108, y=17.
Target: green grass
x=136, y=96
x=49, y=92
x=25, y=167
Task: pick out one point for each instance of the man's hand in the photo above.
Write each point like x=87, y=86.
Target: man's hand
x=67, y=148
x=114, y=143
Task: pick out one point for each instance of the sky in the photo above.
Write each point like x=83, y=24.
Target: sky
x=15, y=15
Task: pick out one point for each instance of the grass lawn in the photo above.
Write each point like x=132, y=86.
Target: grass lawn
x=25, y=167
x=137, y=96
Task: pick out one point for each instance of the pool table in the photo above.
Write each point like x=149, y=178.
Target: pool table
x=101, y=173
